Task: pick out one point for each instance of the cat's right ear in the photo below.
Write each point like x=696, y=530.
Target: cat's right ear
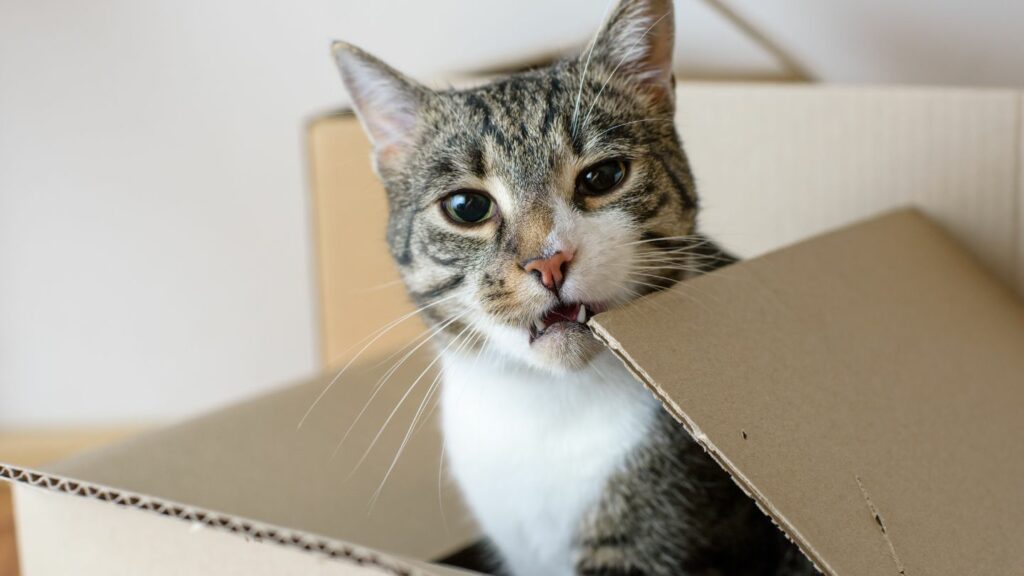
x=386, y=102
x=637, y=42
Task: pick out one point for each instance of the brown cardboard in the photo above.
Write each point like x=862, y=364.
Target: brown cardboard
x=58, y=535
x=246, y=490
x=813, y=159
x=359, y=288
x=249, y=473
x=865, y=387
x=777, y=164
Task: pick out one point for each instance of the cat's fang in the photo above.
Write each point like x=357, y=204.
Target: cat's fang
x=538, y=325
x=581, y=316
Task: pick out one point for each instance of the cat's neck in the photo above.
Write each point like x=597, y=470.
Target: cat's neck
x=490, y=377
x=533, y=450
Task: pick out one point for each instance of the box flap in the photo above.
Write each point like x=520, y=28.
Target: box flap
x=252, y=463
x=865, y=387
x=359, y=286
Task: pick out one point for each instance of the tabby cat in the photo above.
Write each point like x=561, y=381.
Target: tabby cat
x=518, y=210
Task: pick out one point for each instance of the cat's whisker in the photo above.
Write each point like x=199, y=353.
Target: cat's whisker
x=683, y=255
x=679, y=258
x=647, y=250
x=680, y=253
x=440, y=485
x=586, y=119
x=386, y=377
x=680, y=266
x=383, y=380
x=379, y=334
x=481, y=341
x=474, y=335
x=586, y=67
x=681, y=285
x=667, y=239
x=669, y=278
x=503, y=140
x=636, y=294
x=415, y=418
x=698, y=271
x=680, y=292
x=415, y=340
x=377, y=287
x=595, y=137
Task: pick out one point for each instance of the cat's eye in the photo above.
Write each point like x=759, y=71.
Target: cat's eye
x=601, y=178
x=468, y=207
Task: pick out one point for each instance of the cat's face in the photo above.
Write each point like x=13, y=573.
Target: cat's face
x=521, y=208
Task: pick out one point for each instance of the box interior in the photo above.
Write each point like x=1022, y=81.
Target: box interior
x=859, y=385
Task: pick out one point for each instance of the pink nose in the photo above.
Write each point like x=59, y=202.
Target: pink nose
x=551, y=269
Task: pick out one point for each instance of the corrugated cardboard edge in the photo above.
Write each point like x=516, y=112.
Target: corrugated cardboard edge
x=256, y=531
x=705, y=442
x=742, y=481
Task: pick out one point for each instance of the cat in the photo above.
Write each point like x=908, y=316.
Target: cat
x=517, y=210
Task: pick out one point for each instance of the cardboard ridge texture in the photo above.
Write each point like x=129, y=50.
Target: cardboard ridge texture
x=251, y=489
x=863, y=386
x=246, y=528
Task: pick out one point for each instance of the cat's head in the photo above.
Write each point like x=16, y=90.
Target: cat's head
x=520, y=208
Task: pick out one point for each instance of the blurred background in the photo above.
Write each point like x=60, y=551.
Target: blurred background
x=156, y=255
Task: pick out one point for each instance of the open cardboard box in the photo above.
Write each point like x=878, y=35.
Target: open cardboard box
x=865, y=386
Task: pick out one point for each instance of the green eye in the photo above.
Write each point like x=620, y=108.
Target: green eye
x=601, y=178
x=468, y=207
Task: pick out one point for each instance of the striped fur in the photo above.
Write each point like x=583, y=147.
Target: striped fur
x=663, y=506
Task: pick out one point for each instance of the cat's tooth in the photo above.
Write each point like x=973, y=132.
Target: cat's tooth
x=539, y=325
x=581, y=316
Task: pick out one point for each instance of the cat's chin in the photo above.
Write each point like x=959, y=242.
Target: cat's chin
x=565, y=347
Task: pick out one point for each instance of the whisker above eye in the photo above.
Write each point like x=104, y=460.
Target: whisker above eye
x=607, y=130
x=590, y=110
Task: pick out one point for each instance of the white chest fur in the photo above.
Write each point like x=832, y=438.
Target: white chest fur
x=532, y=451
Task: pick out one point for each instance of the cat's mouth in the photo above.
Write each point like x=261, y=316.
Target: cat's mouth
x=563, y=315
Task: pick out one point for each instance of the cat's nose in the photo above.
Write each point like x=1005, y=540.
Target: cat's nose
x=551, y=270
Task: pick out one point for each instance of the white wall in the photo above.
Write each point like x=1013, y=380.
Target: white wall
x=155, y=254
x=154, y=222
x=960, y=42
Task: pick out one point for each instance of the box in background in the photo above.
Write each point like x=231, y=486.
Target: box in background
x=833, y=379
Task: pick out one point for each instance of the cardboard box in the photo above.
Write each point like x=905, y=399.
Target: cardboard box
x=863, y=386
x=774, y=164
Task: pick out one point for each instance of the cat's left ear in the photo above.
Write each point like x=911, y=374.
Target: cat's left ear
x=386, y=102
x=637, y=41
